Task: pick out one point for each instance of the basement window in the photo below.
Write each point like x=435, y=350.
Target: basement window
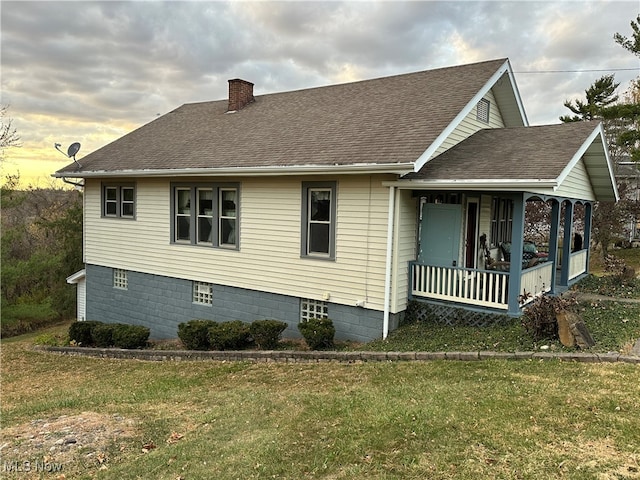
x=203, y=293
x=120, y=279
x=482, y=113
x=313, y=309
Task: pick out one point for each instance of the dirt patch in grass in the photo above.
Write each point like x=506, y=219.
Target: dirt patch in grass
x=594, y=454
x=65, y=443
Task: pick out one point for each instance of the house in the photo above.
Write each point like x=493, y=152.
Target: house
x=628, y=178
x=343, y=201
x=78, y=279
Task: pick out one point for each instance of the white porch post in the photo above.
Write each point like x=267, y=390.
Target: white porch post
x=517, y=243
x=566, y=244
x=389, y=263
x=553, y=241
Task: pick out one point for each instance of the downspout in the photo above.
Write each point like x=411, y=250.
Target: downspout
x=387, y=276
x=75, y=184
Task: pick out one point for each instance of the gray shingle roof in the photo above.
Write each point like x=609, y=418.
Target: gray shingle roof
x=390, y=120
x=518, y=153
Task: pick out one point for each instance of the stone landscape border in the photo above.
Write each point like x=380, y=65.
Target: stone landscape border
x=316, y=356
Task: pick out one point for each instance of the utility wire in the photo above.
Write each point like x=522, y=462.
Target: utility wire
x=580, y=71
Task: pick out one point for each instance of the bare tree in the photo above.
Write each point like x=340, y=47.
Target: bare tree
x=8, y=134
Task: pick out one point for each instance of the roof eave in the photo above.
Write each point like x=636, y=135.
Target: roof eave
x=611, y=188
x=485, y=184
x=394, y=168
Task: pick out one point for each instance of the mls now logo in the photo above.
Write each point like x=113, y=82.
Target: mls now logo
x=29, y=466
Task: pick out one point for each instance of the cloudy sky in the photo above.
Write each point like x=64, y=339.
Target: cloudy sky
x=92, y=71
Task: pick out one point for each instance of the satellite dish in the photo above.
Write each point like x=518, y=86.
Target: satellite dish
x=73, y=149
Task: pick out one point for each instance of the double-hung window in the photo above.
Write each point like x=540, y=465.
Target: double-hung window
x=501, y=220
x=227, y=216
x=119, y=200
x=205, y=214
x=318, y=219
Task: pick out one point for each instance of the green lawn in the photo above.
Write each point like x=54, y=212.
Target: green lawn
x=614, y=326
x=631, y=256
x=405, y=420
x=437, y=420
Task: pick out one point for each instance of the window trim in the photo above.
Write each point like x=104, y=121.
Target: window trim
x=119, y=200
x=194, y=215
x=307, y=188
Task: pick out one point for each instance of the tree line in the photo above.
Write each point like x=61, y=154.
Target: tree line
x=41, y=247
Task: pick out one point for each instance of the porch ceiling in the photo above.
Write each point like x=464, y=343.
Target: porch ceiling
x=522, y=158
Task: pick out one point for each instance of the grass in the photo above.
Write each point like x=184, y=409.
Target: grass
x=614, y=326
x=24, y=318
x=631, y=256
x=438, y=420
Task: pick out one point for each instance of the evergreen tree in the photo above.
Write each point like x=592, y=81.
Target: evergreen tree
x=599, y=96
x=621, y=121
x=632, y=44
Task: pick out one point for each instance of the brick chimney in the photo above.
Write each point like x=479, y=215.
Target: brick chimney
x=240, y=94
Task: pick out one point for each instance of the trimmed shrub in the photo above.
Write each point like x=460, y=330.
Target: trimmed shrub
x=266, y=333
x=102, y=335
x=318, y=333
x=80, y=332
x=130, y=336
x=232, y=335
x=194, y=334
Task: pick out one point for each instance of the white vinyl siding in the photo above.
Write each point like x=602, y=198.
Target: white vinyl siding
x=575, y=185
x=471, y=125
x=81, y=298
x=404, y=248
x=269, y=256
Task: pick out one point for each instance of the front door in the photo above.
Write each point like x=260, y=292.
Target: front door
x=440, y=234
x=471, y=250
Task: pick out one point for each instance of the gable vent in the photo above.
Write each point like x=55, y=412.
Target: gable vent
x=483, y=110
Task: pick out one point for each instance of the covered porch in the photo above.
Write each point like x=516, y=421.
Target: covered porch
x=506, y=215
x=487, y=279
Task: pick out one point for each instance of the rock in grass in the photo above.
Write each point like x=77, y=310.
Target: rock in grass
x=565, y=319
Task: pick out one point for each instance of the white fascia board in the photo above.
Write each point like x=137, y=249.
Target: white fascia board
x=489, y=185
x=516, y=93
x=395, y=168
x=598, y=133
x=428, y=153
x=76, y=277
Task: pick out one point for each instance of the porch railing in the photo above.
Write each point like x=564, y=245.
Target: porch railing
x=463, y=285
x=577, y=263
x=535, y=281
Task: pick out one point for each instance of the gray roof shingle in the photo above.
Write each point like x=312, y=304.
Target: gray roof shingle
x=517, y=153
x=390, y=120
